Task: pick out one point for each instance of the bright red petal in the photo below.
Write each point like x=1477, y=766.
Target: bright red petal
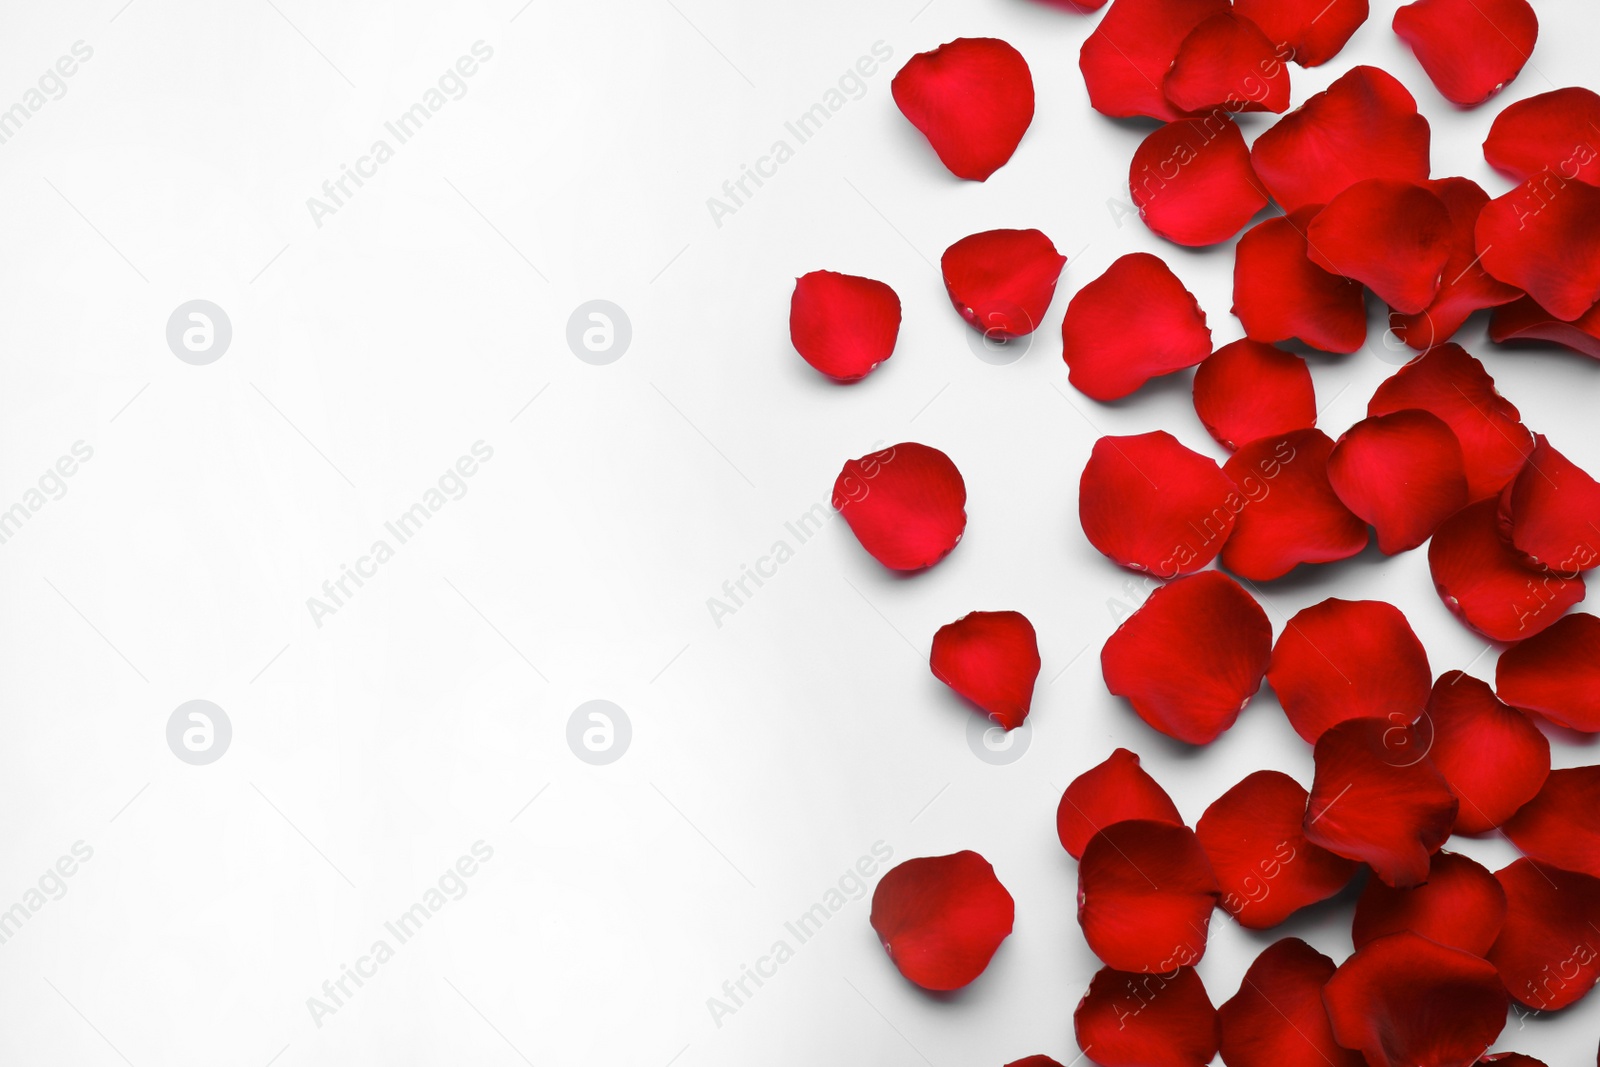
x=1365, y=125
x=1288, y=513
x=1150, y=504
x=1147, y=1020
x=1466, y=286
x=1279, y=294
x=1246, y=389
x=1559, y=825
x=992, y=659
x=1227, y=63
x=1546, y=953
x=1277, y=1019
x=1192, y=181
x=1377, y=798
x=1544, y=238
x=1491, y=586
x=1493, y=756
x=1134, y=322
x=1470, y=49
x=1525, y=321
x=941, y=918
x=1145, y=896
x=1349, y=659
x=905, y=504
x=1392, y=236
x=1110, y=792
x=1404, y=1000
x=1551, y=511
x=1001, y=281
x=1403, y=473
x=1311, y=32
x=1551, y=131
x=1254, y=837
x=1129, y=53
x=1556, y=673
x=1191, y=657
x=843, y=325
x=1460, y=905
x=972, y=99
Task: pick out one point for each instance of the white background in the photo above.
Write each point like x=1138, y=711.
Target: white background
x=368, y=354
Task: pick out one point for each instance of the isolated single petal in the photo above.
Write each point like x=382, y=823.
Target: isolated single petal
x=1150, y=504
x=1547, y=954
x=1559, y=826
x=1246, y=389
x=1311, y=32
x=1556, y=673
x=1550, y=131
x=1134, y=322
x=1491, y=586
x=992, y=659
x=1288, y=513
x=1526, y=322
x=1001, y=281
x=1192, y=182
x=1493, y=756
x=1466, y=286
x=906, y=504
x=1280, y=295
x=1392, y=236
x=1403, y=473
x=1278, y=1019
x=1460, y=905
x=1129, y=1019
x=1145, y=896
x=941, y=918
x=972, y=99
x=843, y=325
x=1544, y=238
x=1112, y=791
x=1227, y=63
x=1469, y=49
x=1129, y=53
x=1551, y=511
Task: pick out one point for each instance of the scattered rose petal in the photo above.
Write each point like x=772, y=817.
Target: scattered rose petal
x=1491, y=586
x=1551, y=511
x=1145, y=896
x=1134, y=322
x=1512, y=1059
x=1001, y=281
x=1461, y=905
x=1469, y=49
x=1401, y=472
x=905, y=504
x=1279, y=294
x=1288, y=513
x=843, y=325
x=1543, y=237
x=1147, y=1020
x=1150, y=504
x=1551, y=131
x=972, y=99
x=992, y=659
x=1034, y=1061
x=1558, y=826
x=1246, y=389
x=1466, y=286
x=1129, y=53
x=1227, y=63
x=1110, y=792
x=1394, y=237
x=1277, y=1019
x=1546, y=953
x=1556, y=673
x=1526, y=322
x=1311, y=32
x=941, y=918
x=1192, y=182
x=1493, y=756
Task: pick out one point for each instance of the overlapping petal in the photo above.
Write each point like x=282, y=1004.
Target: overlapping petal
x=1311, y=32
x=906, y=504
x=1192, y=182
x=1279, y=294
x=1556, y=673
x=1470, y=49
x=1392, y=236
x=1466, y=287
x=1110, y=792
x=1547, y=952
x=1278, y=1019
x=1559, y=826
x=1551, y=131
x=1129, y=53
x=1551, y=511
x=1145, y=896
x=1134, y=322
x=1227, y=63
x=1493, y=756
x=992, y=659
x=972, y=99
x=1288, y=512
x=1129, y=1019
x=1544, y=238
x=1461, y=905
x=842, y=325
x=1150, y=504
x=941, y=918
x=1403, y=473
x=1246, y=389
x=1002, y=281
x=1491, y=586
x=1524, y=321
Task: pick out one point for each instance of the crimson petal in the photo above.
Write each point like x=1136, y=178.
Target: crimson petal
x=1460, y=905
x=1542, y=237
x=906, y=504
x=992, y=659
x=1112, y=791
x=1466, y=287
x=1491, y=586
x=1558, y=826
x=1403, y=473
x=1226, y=62
x=1546, y=952
x=843, y=325
x=1493, y=756
x=1001, y=281
x=1553, y=130
x=1525, y=321
x=1279, y=294
x=1145, y=895
x=1150, y=504
x=1470, y=49
x=1246, y=389
x=1556, y=673
x=1551, y=510
x=972, y=99
x=1129, y=53
x=1134, y=322
x=1147, y=1020
x=1310, y=31
x=1392, y=236
x=1192, y=182
x=941, y=918
x=1277, y=1019
x=1288, y=513
x=1034, y=1061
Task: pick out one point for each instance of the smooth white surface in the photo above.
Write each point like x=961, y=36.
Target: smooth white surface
x=767, y=754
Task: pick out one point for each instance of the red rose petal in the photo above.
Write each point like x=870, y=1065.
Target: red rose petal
x=1392, y=236
x=992, y=659
x=1147, y=1020
x=1309, y=31
x=972, y=99
x=1544, y=238
x=1403, y=473
x=1551, y=131
x=1491, y=586
x=1512, y=1059
x=1192, y=181
x=1466, y=287
x=1377, y=799
x=1226, y=62
x=843, y=325
x=1525, y=321
x=1547, y=953
x=1277, y=1019
x=1349, y=659
x=1110, y=792
x=1129, y=53
x=1551, y=511
x=1254, y=837
x=1493, y=756
x=1145, y=896
x=1001, y=281
x=1191, y=657
x=905, y=504
x=1288, y=513
x=1134, y=322
x=1404, y=1000
x=1279, y=294
x=1365, y=125
x=1454, y=386
x=1469, y=49
x=941, y=918
x=1461, y=905
x=1150, y=504
x=1558, y=826
x=1556, y=673
x=1034, y=1061
x=1246, y=389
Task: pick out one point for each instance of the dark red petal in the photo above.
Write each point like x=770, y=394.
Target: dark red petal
x=1525, y=321
x=1001, y=281
x=1365, y=125
x=1145, y=896
x=1491, y=586
x=1287, y=512
x=1150, y=504
x=1134, y=322
x=1392, y=236
x=1279, y=294
x=972, y=99
x=1226, y=62
x=1556, y=673
x=1110, y=792
x=1469, y=49
x=1404, y=1000
x=905, y=504
x=1560, y=826
x=1192, y=181
x=1547, y=954
x=1349, y=659
x=1246, y=389
x=1544, y=238
x=1512, y=1059
x=1254, y=837
x=1551, y=511
x=1454, y=386
x=1191, y=657
x=1277, y=1019
x=1129, y=53
x=1034, y=1061
x=1311, y=32
x=941, y=918
x=843, y=325
x=1466, y=287
x=1147, y=1020
x=1377, y=798
x=1403, y=473
x=1460, y=905
x=1493, y=756
x=992, y=659
x=1554, y=131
